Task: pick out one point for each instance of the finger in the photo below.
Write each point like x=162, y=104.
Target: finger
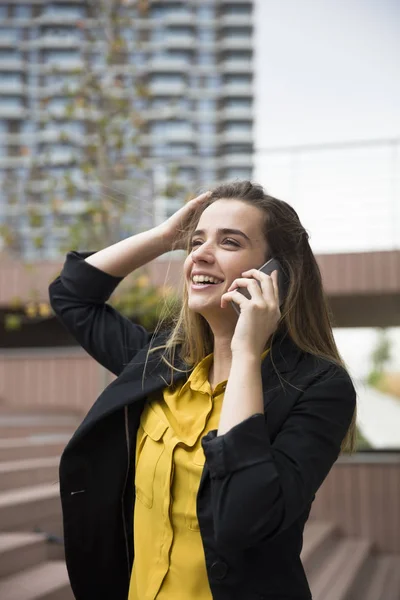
x=244, y=282
x=265, y=281
x=234, y=296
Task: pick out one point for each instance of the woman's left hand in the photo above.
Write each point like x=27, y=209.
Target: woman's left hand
x=259, y=316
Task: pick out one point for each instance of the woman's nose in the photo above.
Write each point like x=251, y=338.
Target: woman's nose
x=203, y=252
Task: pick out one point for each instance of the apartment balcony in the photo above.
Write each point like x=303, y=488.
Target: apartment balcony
x=167, y=65
x=236, y=160
x=15, y=138
x=237, y=89
x=56, y=19
x=235, y=137
x=53, y=41
x=58, y=66
x=186, y=20
x=236, y=66
x=167, y=89
x=13, y=64
x=184, y=137
x=236, y=21
x=58, y=157
x=13, y=88
x=232, y=113
x=167, y=112
x=11, y=162
x=181, y=42
x=13, y=112
x=8, y=41
x=234, y=43
x=231, y=2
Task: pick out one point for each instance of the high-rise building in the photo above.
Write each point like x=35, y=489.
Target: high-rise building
x=196, y=57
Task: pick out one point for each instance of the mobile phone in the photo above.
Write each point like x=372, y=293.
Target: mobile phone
x=271, y=265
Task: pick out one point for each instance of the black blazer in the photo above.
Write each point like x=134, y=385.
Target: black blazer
x=259, y=478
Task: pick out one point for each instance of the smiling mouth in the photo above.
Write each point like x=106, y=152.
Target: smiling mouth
x=206, y=284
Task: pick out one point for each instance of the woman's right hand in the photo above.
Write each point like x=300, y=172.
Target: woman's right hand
x=174, y=227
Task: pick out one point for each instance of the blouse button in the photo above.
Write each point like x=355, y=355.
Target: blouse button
x=219, y=570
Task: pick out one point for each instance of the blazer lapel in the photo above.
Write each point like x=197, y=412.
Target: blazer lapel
x=140, y=378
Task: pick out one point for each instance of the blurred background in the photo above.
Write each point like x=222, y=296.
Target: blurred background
x=112, y=114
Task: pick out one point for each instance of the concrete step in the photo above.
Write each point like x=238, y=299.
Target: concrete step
x=318, y=541
x=381, y=580
x=33, y=471
x=47, y=581
x=19, y=551
x=12, y=419
x=13, y=431
x=340, y=570
x=31, y=508
x=35, y=446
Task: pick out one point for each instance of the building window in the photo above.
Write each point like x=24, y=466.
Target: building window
x=206, y=12
x=236, y=9
x=187, y=174
x=180, y=149
x=236, y=79
x=206, y=105
x=22, y=11
x=61, y=56
x=208, y=128
x=65, y=10
x=237, y=173
x=237, y=55
x=207, y=175
x=236, y=32
x=9, y=78
x=161, y=10
x=212, y=82
x=11, y=102
x=206, y=35
x=236, y=149
x=178, y=32
x=238, y=103
x=10, y=34
x=167, y=78
x=27, y=127
x=205, y=58
x=10, y=54
x=239, y=126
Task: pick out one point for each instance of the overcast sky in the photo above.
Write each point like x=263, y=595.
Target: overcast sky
x=328, y=71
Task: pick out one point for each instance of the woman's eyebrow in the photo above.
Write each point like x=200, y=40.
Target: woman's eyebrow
x=224, y=231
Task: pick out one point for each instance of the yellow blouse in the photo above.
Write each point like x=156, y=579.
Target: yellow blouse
x=169, y=557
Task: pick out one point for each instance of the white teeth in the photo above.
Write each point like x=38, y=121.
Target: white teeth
x=203, y=278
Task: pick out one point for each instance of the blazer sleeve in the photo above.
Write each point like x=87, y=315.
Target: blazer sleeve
x=78, y=297
x=259, y=489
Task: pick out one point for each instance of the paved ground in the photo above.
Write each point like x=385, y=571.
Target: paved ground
x=378, y=417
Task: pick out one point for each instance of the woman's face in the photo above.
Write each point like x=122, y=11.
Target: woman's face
x=223, y=254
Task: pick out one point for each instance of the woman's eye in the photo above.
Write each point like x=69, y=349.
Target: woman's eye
x=227, y=241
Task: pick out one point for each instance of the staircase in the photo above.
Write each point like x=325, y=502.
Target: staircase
x=32, y=563
x=342, y=568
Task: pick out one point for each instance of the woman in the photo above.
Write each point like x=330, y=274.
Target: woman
x=193, y=474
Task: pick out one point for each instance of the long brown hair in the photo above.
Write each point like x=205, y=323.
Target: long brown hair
x=305, y=313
